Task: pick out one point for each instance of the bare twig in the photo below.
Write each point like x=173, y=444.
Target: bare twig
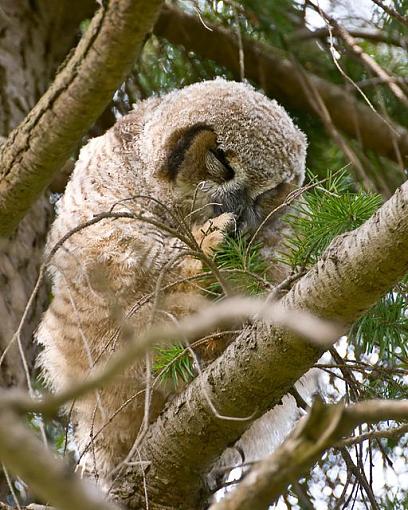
x=240, y=46
x=360, y=476
x=321, y=109
x=391, y=433
x=370, y=35
x=230, y=312
x=392, y=12
x=366, y=59
x=373, y=82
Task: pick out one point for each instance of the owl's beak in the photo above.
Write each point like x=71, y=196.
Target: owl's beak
x=238, y=202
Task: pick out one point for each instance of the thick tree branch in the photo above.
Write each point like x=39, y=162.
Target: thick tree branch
x=279, y=78
x=321, y=429
x=37, y=149
x=259, y=368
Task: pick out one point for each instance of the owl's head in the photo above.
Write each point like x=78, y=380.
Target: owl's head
x=226, y=147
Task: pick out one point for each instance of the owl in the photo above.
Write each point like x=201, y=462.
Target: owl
x=211, y=159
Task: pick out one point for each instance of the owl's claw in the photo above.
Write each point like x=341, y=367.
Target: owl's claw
x=210, y=235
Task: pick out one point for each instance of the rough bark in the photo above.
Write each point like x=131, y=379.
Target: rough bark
x=258, y=369
x=32, y=44
x=34, y=38
x=36, y=150
x=279, y=78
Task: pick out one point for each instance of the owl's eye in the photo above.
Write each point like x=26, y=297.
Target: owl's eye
x=218, y=166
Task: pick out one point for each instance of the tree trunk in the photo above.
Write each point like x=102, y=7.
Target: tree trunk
x=34, y=38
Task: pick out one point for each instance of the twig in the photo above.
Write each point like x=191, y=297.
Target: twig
x=392, y=12
x=362, y=479
x=232, y=311
x=367, y=60
x=370, y=35
x=372, y=82
x=375, y=434
x=240, y=46
x=320, y=107
x=201, y=380
x=11, y=487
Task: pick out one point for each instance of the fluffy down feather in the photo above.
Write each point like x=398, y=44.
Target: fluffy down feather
x=102, y=273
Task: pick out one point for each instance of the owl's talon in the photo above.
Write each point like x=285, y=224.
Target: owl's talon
x=210, y=235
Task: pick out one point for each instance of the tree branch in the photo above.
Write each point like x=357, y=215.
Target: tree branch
x=263, y=363
x=36, y=149
x=366, y=59
x=392, y=12
x=49, y=478
x=278, y=77
x=230, y=312
x=375, y=36
x=391, y=433
x=321, y=429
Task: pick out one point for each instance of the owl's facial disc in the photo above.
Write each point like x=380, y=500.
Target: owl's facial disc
x=211, y=179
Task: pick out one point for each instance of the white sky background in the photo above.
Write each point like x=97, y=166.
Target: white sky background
x=352, y=13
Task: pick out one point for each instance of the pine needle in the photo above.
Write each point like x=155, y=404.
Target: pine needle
x=174, y=364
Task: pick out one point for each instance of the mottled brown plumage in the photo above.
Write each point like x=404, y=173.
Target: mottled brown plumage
x=218, y=147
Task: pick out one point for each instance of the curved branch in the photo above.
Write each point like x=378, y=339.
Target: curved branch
x=279, y=77
x=320, y=430
x=37, y=148
x=263, y=363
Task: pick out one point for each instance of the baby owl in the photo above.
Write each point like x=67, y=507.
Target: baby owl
x=213, y=158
